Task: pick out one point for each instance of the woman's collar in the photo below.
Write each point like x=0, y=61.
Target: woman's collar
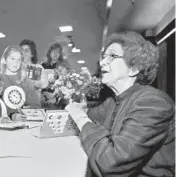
x=127, y=92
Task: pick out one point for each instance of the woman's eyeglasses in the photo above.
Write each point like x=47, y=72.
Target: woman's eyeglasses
x=110, y=57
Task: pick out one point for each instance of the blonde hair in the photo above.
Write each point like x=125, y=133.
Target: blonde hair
x=6, y=53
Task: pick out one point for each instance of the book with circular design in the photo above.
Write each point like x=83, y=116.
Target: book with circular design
x=14, y=97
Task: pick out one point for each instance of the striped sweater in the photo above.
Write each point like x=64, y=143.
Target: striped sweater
x=135, y=137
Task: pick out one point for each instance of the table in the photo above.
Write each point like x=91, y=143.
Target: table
x=24, y=155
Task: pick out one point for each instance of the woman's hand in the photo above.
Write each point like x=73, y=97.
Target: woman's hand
x=76, y=112
x=19, y=117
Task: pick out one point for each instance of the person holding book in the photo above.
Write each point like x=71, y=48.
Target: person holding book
x=35, y=71
x=18, y=89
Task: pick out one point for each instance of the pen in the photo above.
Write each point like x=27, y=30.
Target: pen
x=20, y=111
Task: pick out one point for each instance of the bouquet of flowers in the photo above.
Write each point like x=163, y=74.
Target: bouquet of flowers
x=72, y=86
x=93, y=88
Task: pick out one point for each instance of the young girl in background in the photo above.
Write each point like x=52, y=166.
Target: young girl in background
x=13, y=76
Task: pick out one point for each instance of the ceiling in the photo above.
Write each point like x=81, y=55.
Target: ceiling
x=38, y=20
x=141, y=15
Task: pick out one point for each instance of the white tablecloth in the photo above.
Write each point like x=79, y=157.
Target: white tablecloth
x=24, y=155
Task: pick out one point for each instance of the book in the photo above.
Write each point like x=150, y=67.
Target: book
x=58, y=123
x=49, y=73
x=13, y=125
x=33, y=114
x=34, y=72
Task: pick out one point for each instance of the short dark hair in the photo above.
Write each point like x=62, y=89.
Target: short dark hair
x=54, y=46
x=32, y=46
x=138, y=53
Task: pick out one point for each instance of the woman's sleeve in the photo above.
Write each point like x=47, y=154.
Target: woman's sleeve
x=98, y=114
x=32, y=98
x=143, y=129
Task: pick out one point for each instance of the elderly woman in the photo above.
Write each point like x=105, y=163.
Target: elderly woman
x=136, y=138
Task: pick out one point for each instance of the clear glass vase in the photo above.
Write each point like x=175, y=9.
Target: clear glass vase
x=83, y=101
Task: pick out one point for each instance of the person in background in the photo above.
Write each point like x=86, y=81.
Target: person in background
x=137, y=137
x=62, y=68
x=12, y=74
x=48, y=95
x=34, y=70
x=54, y=56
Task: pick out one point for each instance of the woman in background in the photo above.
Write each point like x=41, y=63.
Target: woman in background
x=137, y=137
x=12, y=74
x=48, y=94
x=54, y=56
x=35, y=71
